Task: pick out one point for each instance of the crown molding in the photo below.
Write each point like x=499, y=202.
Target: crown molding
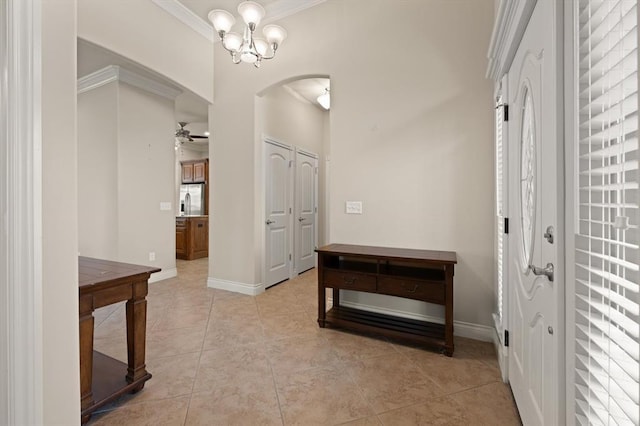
x=187, y=17
x=511, y=21
x=113, y=73
x=98, y=78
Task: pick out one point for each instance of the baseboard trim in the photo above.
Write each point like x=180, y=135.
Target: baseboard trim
x=163, y=275
x=460, y=328
x=236, y=287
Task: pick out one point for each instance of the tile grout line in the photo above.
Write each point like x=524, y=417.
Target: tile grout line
x=195, y=378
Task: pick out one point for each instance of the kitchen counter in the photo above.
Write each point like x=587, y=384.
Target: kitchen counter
x=192, y=237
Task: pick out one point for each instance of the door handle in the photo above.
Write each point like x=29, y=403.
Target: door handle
x=546, y=271
x=269, y=221
x=300, y=219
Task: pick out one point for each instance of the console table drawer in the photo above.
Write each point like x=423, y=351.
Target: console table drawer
x=350, y=280
x=430, y=291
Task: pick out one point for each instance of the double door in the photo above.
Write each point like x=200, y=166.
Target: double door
x=291, y=178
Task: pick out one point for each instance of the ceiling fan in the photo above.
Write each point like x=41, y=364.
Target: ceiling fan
x=183, y=135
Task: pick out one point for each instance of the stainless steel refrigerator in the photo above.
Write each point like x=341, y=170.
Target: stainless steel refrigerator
x=192, y=199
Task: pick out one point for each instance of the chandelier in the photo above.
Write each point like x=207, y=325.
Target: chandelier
x=246, y=48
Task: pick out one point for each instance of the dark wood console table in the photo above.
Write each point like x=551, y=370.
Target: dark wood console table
x=102, y=283
x=423, y=275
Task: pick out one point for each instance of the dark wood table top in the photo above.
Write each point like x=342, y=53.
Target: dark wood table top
x=95, y=274
x=390, y=252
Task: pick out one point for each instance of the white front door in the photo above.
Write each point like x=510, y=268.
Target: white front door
x=278, y=213
x=535, y=273
x=306, y=208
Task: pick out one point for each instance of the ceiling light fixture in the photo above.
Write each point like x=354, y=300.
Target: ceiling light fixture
x=325, y=99
x=247, y=48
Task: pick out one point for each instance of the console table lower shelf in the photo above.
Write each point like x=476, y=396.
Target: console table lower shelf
x=110, y=382
x=422, y=332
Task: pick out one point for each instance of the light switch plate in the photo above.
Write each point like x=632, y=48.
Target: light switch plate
x=165, y=205
x=353, y=207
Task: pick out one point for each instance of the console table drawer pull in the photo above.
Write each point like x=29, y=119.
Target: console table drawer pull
x=415, y=287
x=349, y=281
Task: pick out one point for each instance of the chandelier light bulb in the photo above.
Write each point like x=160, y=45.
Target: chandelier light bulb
x=251, y=12
x=261, y=46
x=222, y=20
x=232, y=41
x=275, y=34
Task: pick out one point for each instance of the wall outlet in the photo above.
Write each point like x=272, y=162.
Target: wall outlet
x=152, y=256
x=165, y=205
x=353, y=207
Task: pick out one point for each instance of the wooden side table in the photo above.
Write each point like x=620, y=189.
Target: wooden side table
x=102, y=283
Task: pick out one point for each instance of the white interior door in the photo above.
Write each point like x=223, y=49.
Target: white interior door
x=278, y=213
x=536, y=335
x=306, y=211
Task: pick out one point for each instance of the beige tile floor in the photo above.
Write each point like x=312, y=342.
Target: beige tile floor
x=220, y=358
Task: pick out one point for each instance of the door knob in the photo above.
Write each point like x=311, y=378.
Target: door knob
x=269, y=221
x=300, y=219
x=548, y=235
x=546, y=271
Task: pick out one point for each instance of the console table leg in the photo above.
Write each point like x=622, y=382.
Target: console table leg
x=86, y=352
x=136, y=332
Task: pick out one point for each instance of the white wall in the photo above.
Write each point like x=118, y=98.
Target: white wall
x=145, y=177
x=126, y=169
x=411, y=135
x=98, y=172
x=60, y=357
x=141, y=31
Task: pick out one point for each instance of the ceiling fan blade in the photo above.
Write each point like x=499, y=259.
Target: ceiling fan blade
x=199, y=137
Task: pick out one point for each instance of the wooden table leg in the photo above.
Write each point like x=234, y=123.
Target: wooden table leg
x=448, y=312
x=86, y=352
x=322, y=296
x=136, y=333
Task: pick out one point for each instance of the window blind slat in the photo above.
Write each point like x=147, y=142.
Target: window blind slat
x=629, y=285
x=595, y=65
x=625, y=342
x=628, y=325
x=608, y=241
x=615, y=131
x=604, y=36
x=612, y=259
x=627, y=370
x=620, y=389
x=612, y=113
x=612, y=168
x=625, y=147
x=606, y=347
x=595, y=101
x=608, y=76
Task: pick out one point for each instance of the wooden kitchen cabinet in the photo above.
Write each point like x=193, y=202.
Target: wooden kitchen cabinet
x=192, y=237
x=195, y=171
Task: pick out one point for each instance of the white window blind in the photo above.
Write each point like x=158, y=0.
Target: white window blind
x=499, y=161
x=607, y=235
